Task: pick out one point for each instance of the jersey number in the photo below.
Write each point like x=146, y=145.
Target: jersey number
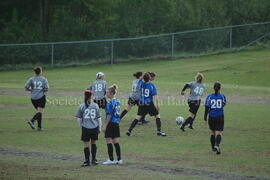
x=90, y=113
x=37, y=85
x=98, y=87
x=145, y=92
x=216, y=103
x=198, y=91
x=117, y=110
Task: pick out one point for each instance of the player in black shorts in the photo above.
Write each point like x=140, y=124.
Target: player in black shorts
x=214, y=105
x=89, y=119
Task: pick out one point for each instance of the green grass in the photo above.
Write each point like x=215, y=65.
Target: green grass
x=245, y=143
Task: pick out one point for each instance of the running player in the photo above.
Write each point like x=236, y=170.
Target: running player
x=214, y=105
x=148, y=98
x=194, y=100
x=89, y=119
x=111, y=126
x=99, y=89
x=38, y=86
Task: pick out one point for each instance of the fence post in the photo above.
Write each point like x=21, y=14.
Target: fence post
x=231, y=38
x=112, y=52
x=172, y=45
x=52, y=55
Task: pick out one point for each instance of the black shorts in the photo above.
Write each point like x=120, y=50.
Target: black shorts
x=133, y=102
x=88, y=134
x=194, y=106
x=147, y=109
x=39, y=102
x=216, y=123
x=112, y=130
x=101, y=103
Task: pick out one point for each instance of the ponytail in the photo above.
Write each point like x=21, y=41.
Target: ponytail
x=217, y=87
x=87, y=96
x=146, y=77
x=137, y=75
x=113, y=89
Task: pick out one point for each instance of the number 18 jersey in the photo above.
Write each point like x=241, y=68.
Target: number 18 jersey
x=215, y=102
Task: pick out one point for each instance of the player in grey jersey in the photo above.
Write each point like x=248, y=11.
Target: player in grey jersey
x=194, y=100
x=89, y=119
x=38, y=86
x=99, y=89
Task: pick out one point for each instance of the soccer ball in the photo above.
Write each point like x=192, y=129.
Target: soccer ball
x=179, y=120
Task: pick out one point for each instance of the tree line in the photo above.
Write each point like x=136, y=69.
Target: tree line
x=68, y=20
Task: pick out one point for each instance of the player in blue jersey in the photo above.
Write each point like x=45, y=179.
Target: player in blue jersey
x=148, y=98
x=111, y=126
x=214, y=105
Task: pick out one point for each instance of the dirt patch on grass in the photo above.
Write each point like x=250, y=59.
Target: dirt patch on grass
x=145, y=167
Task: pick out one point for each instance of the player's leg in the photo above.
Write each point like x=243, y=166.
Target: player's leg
x=158, y=123
x=109, y=143
x=194, y=112
x=125, y=111
x=190, y=118
x=117, y=150
x=86, y=153
x=133, y=124
x=94, y=150
x=40, y=111
x=217, y=141
x=213, y=140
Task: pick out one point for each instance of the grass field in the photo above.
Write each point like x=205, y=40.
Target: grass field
x=56, y=152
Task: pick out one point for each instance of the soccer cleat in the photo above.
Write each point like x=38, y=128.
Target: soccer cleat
x=217, y=149
x=128, y=133
x=145, y=122
x=190, y=127
x=94, y=162
x=40, y=129
x=31, y=124
x=119, y=162
x=160, y=133
x=85, y=164
x=109, y=162
x=182, y=128
x=214, y=150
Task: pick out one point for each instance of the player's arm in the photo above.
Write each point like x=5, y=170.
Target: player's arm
x=79, y=116
x=206, y=112
x=28, y=85
x=184, y=89
x=46, y=88
x=107, y=120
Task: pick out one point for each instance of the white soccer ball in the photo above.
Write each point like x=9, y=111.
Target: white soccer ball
x=179, y=120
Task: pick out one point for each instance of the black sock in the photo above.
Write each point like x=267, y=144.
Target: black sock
x=118, y=151
x=212, y=140
x=86, y=154
x=133, y=124
x=123, y=113
x=39, y=119
x=158, y=122
x=110, y=151
x=93, y=151
x=218, y=140
x=191, y=122
x=188, y=120
x=35, y=117
x=143, y=118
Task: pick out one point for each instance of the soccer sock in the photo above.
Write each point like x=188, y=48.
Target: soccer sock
x=133, y=124
x=93, y=151
x=35, y=117
x=123, y=113
x=39, y=119
x=86, y=154
x=191, y=122
x=143, y=118
x=212, y=140
x=110, y=151
x=218, y=140
x=188, y=120
x=118, y=151
x=158, y=122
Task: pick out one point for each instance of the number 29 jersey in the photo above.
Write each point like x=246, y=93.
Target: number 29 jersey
x=215, y=102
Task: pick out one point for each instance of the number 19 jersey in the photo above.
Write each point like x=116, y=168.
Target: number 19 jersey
x=215, y=102
x=148, y=91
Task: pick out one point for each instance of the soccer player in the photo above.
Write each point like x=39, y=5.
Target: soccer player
x=99, y=89
x=111, y=126
x=194, y=100
x=89, y=119
x=148, y=97
x=214, y=105
x=134, y=96
x=38, y=86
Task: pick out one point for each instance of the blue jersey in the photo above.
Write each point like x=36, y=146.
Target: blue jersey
x=215, y=102
x=113, y=109
x=148, y=91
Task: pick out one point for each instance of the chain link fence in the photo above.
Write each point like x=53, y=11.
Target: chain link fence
x=175, y=45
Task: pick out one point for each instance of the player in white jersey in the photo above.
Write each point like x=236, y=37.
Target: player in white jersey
x=194, y=100
x=38, y=86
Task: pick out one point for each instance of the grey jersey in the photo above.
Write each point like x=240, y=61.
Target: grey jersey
x=99, y=88
x=90, y=116
x=196, y=91
x=37, y=84
x=136, y=90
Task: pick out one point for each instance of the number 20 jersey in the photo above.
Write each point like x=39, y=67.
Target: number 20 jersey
x=215, y=102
